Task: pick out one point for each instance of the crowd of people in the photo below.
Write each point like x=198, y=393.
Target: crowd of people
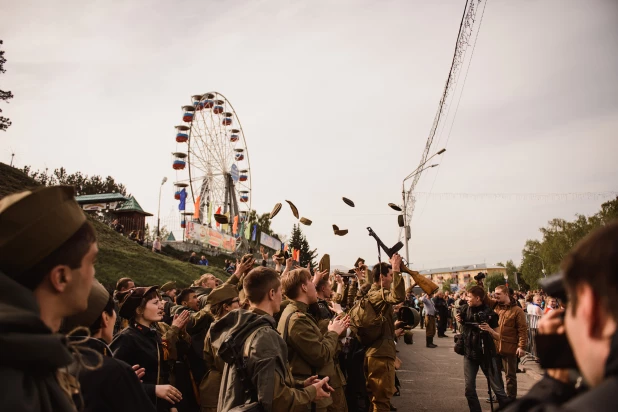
x=268, y=338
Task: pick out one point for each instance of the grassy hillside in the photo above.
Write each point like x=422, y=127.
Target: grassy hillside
x=118, y=256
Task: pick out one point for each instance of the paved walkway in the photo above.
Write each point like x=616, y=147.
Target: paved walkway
x=433, y=379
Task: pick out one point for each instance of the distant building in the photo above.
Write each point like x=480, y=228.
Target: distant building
x=127, y=210
x=461, y=275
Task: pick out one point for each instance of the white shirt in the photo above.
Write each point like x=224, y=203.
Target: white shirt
x=533, y=309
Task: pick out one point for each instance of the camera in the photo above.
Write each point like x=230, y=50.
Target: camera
x=480, y=317
x=480, y=276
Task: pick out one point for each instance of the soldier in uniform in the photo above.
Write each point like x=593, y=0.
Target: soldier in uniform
x=122, y=285
x=266, y=352
x=388, y=289
x=222, y=301
x=168, y=294
x=43, y=279
x=310, y=351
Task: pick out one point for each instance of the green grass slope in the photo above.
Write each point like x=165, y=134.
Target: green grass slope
x=118, y=256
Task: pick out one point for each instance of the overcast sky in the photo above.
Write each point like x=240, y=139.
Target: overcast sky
x=336, y=98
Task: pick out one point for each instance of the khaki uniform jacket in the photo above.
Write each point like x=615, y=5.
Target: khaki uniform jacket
x=383, y=301
x=309, y=352
x=512, y=329
x=267, y=366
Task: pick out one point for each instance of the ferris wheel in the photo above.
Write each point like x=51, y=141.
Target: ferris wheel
x=212, y=160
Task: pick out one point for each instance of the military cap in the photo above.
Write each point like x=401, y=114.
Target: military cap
x=221, y=219
x=23, y=214
x=324, y=263
x=97, y=300
x=394, y=207
x=348, y=201
x=221, y=294
x=305, y=221
x=294, y=209
x=409, y=316
x=168, y=286
x=131, y=299
x=342, y=232
x=359, y=260
x=276, y=210
x=280, y=254
x=335, y=227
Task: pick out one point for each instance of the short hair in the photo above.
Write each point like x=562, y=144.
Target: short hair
x=503, y=289
x=322, y=282
x=123, y=283
x=380, y=269
x=70, y=253
x=594, y=261
x=477, y=291
x=293, y=280
x=109, y=309
x=184, y=295
x=258, y=283
x=149, y=296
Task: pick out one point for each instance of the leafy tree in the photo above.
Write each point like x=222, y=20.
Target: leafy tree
x=471, y=284
x=558, y=238
x=493, y=280
x=511, y=270
x=4, y=95
x=84, y=184
x=446, y=286
x=299, y=242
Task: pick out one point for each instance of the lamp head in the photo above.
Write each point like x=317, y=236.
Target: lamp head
x=164, y=180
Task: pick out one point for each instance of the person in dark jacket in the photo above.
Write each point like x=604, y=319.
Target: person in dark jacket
x=122, y=285
x=590, y=279
x=477, y=320
x=42, y=280
x=113, y=385
x=442, y=313
x=140, y=344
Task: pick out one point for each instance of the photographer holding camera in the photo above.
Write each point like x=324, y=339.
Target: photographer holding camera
x=590, y=280
x=477, y=321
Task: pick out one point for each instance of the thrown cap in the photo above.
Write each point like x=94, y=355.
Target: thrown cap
x=26, y=215
x=131, y=299
x=97, y=300
x=305, y=221
x=222, y=219
x=168, y=286
x=348, y=201
x=294, y=209
x=341, y=232
x=324, y=263
x=221, y=294
x=359, y=260
x=335, y=227
x=276, y=210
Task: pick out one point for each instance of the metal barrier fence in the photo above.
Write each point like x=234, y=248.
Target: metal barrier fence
x=531, y=354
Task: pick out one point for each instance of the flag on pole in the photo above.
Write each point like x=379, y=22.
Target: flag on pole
x=183, y=199
x=296, y=254
x=235, y=226
x=254, y=233
x=247, y=231
x=285, y=247
x=225, y=225
x=196, y=214
x=209, y=217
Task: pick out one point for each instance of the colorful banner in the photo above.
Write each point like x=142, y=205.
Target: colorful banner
x=270, y=241
x=209, y=236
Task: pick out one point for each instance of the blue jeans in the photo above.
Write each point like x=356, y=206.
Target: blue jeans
x=471, y=369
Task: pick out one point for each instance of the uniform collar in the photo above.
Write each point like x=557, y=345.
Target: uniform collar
x=302, y=307
x=144, y=330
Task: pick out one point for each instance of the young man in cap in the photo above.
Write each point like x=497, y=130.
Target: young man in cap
x=387, y=290
x=310, y=351
x=43, y=279
x=267, y=353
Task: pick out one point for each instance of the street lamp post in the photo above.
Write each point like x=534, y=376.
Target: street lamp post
x=159, y=209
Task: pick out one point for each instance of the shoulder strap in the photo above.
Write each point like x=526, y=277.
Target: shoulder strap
x=287, y=324
x=249, y=341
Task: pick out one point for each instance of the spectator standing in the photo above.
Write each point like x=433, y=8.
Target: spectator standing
x=441, y=312
x=122, y=285
x=193, y=259
x=156, y=245
x=552, y=304
x=119, y=228
x=43, y=279
x=534, y=307
x=430, y=320
x=510, y=337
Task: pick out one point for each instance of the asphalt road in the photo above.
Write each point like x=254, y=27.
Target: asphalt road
x=433, y=379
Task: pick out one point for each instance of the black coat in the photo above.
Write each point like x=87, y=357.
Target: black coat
x=139, y=345
x=30, y=355
x=113, y=386
x=472, y=334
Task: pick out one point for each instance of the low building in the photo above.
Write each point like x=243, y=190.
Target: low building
x=460, y=275
x=116, y=206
